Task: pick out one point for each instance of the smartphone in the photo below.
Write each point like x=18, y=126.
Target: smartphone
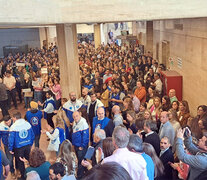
x=187, y=132
x=89, y=153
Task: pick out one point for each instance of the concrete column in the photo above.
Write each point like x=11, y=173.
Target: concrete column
x=97, y=35
x=134, y=28
x=68, y=59
x=149, y=36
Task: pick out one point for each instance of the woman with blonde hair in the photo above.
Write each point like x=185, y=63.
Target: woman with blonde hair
x=68, y=158
x=147, y=115
x=56, y=135
x=105, y=98
x=62, y=114
x=155, y=109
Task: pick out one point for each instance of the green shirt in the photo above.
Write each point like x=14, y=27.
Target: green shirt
x=42, y=170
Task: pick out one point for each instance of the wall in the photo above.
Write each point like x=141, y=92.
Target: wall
x=187, y=41
x=19, y=37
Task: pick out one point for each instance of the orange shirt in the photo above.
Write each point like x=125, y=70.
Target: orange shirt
x=141, y=94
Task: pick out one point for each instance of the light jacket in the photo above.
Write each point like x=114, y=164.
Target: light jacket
x=70, y=107
x=4, y=133
x=80, y=135
x=197, y=161
x=20, y=134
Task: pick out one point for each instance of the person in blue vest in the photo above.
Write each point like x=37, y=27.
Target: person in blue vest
x=56, y=135
x=80, y=140
x=49, y=108
x=135, y=145
x=116, y=97
x=20, y=140
x=64, y=117
x=71, y=106
x=34, y=117
x=100, y=121
x=4, y=135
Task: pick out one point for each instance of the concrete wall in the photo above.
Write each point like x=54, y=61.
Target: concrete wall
x=19, y=37
x=38, y=12
x=186, y=41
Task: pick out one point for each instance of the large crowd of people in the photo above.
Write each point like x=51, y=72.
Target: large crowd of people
x=122, y=127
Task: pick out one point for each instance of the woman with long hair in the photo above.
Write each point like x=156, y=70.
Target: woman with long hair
x=155, y=109
x=149, y=150
x=142, y=108
x=166, y=103
x=184, y=113
x=150, y=96
x=105, y=98
x=62, y=114
x=56, y=89
x=175, y=105
x=195, y=123
x=128, y=105
x=173, y=117
x=56, y=136
x=68, y=158
x=130, y=122
x=147, y=115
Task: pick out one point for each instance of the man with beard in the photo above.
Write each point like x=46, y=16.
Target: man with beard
x=85, y=99
x=72, y=105
x=57, y=172
x=93, y=107
x=49, y=108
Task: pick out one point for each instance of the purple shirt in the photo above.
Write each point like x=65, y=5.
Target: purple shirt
x=136, y=103
x=134, y=163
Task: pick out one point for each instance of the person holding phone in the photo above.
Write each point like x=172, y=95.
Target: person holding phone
x=198, y=158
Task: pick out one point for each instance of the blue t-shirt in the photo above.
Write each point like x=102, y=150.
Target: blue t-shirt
x=150, y=166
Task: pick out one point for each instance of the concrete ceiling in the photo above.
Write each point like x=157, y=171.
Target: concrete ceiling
x=49, y=12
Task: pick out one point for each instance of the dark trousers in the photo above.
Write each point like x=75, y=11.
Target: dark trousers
x=12, y=96
x=58, y=103
x=10, y=157
x=19, y=91
x=80, y=155
x=4, y=107
x=49, y=119
x=37, y=140
x=21, y=152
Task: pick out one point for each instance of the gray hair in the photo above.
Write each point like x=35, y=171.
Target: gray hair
x=135, y=142
x=33, y=175
x=100, y=133
x=152, y=125
x=121, y=136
